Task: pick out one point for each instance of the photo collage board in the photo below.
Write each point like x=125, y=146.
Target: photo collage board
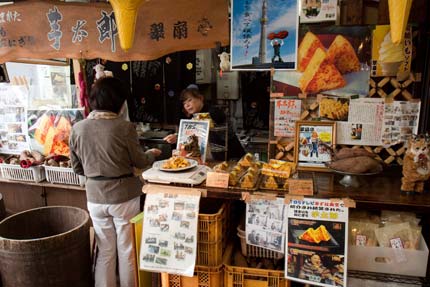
x=169, y=234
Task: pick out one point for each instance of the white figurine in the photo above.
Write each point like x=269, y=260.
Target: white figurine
x=225, y=61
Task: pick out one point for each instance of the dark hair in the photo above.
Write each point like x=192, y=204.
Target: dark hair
x=108, y=94
x=190, y=92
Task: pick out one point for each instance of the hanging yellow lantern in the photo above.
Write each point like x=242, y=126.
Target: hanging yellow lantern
x=126, y=16
x=399, y=15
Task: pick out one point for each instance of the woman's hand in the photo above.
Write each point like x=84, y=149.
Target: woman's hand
x=171, y=139
x=155, y=151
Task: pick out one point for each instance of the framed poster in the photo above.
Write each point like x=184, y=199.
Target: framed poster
x=313, y=143
x=193, y=139
x=264, y=34
x=317, y=242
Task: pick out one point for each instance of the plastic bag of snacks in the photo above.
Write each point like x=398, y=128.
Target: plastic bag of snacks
x=400, y=235
x=362, y=233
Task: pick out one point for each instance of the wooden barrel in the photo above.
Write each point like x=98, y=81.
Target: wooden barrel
x=48, y=246
x=2, y=208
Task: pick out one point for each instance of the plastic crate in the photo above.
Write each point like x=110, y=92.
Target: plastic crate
x=63, y=175
x=16, y=172
x=251, y=277
x=203, y=277
x=210, y=233
x=255, y=251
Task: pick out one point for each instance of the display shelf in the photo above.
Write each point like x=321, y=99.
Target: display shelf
x=45, y=184
x=392, y=278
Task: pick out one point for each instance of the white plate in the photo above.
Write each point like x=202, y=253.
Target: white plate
x=159, y=164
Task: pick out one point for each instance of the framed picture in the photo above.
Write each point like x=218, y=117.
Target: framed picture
x=313, y=142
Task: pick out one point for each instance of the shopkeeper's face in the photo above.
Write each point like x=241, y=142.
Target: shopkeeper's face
x=193, y=105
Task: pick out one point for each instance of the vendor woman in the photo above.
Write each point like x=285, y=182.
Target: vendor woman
x=193, y=102
x=105, y=149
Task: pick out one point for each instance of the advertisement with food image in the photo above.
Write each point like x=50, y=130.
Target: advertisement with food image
x=49, y=130
x=332, y=60
x=193, y=139
x=317, y=237
x=334, y=108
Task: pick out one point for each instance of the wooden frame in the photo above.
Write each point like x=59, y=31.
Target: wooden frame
x=51, y=62
x=312, y=144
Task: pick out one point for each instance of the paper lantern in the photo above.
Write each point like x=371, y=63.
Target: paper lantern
x=125, y=16
x=399, y=15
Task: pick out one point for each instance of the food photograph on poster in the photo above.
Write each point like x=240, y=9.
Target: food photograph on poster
x=331, y=60
x=264, y=34
x=49, y=130
x=316, y=251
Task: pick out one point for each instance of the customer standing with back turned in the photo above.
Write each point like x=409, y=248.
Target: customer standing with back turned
x=105, y=148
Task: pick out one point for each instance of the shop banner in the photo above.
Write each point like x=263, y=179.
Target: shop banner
x=193, y=139
x=287, y=112
x=317, y=242
x=312, y=11
x=45, y=30
x=265, y=223
x=13, y=118
x=169, y=234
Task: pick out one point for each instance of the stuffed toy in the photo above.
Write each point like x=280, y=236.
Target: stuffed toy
x=100, y=71
x=416, y=164
x=225, y=61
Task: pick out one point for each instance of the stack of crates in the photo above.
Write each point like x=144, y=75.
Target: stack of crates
x=235, y=276
x=210, y=243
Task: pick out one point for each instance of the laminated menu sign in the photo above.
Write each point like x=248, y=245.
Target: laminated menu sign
x=312, y=11
x=317, y=237
x=265, y=223
x=13, y=128
x=287, y=112
x=193, y=139
x=169, y=236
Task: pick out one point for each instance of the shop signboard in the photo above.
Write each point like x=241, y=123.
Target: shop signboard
x=317, y=241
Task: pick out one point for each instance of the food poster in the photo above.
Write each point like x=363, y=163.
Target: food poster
x=312, y=11
x=169, y=235
x=193, y=139
x=49, y=130
x=332, y=60
x=287, y=112
x=401, y=119
x=314, y=143
x=317, y=238
x=389, y=59
x=48, y=85
x=265, y=223
x=364, y=123
x=13, y=112
x=264, y=34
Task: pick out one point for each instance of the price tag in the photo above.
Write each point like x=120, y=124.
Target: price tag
x=300, y=186
x=217, y=179
x=360, y=240
x=397, y=245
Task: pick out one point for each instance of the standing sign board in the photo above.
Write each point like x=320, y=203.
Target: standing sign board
x=317, y=238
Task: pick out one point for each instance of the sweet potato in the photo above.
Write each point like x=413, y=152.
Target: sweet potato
x=359, y=164
x=352, y=152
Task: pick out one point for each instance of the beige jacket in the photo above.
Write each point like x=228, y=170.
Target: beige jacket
x=103, y=150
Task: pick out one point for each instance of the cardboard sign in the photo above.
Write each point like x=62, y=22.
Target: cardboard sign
x=217, y=179
x=301, y=186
